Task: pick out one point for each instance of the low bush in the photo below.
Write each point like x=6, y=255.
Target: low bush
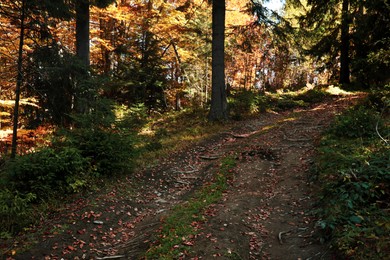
x=312, y=96
x=98, y=145
x=243, y=103
x=287, y=103
x=15, y=211
x=352, y=167
x=356, y=122
x=108, y=151
x=48, y=171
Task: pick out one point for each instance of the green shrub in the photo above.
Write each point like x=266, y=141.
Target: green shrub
x=312, y=96
x=108, y=151
x=107, y=143
x=378, y=99
x=243, y=102
x=15, y=210
x=48, y=171
x=285, y=104
x=94, y=146
x=356, y=122
x=353, y=202
x=353, y=169
x=134, y=117
x=262, y=103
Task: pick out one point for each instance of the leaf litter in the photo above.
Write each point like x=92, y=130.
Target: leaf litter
x=264, y=214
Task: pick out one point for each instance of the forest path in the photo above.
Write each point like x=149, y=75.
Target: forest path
x=264, y=214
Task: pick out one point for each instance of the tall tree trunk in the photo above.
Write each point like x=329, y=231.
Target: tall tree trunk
x=82, y=31
x=82, y=51
x=218, y=110
x=344, y=48
x=19, y=80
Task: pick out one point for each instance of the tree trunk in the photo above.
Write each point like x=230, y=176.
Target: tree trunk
x=82, y=31
x=218, y=110
x=344, y=48
x=19, y=80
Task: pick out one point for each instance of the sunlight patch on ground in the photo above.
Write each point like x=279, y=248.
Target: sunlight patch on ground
x=337, y=91
x=289, y=119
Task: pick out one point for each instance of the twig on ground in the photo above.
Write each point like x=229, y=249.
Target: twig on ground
x=377, y=131
x=111, y=257
x=209, y=157
x=281, y=234
x=188, y=172
x=182, y=182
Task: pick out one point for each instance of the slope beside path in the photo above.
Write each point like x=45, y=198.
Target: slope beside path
x=264, y=214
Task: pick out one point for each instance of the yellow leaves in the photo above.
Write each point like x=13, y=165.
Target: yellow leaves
x=24, y=101
x=236, y=14
x=119, y=13
x=106, y=44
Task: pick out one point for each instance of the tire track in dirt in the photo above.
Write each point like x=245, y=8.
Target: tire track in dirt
x=266, y=215
x=263, y=215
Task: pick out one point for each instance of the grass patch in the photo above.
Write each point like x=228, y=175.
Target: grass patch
x=181, y=224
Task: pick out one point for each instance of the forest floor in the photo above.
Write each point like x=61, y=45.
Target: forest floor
x=265, y=213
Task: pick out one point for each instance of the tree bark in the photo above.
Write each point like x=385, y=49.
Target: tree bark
x=82, y=31
x=344, y=48
x=19, y=80
x=218, y=110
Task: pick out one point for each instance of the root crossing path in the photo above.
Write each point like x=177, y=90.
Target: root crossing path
x=266, y=212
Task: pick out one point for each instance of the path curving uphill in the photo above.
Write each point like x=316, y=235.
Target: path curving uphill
x=264, y=214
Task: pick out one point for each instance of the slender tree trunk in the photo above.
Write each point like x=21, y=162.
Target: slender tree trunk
x=218, y=110
x=19, y=80
x=106, y=29
x=82, y=31
x=344, y=49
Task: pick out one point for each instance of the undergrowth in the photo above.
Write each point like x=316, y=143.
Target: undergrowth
x=244, y=103
x=99, y=146
x=354, y=171
x=180, y=226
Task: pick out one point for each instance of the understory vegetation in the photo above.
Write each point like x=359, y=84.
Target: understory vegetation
x=354, y=173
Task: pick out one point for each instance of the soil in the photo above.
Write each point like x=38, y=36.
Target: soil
x=266, y=212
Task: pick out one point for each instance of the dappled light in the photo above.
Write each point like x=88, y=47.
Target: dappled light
x=197, y=129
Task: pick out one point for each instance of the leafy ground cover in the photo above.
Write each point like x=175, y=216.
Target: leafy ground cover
x=353, y=167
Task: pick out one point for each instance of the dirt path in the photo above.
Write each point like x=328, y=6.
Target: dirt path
x=265, y=214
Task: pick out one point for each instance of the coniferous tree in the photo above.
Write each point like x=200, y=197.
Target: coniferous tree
x=82, y=26
x=353, y=35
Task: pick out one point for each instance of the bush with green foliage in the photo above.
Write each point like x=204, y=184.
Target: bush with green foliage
x=106, y=142
x=131, y=118
x=108, y=152
x=284, y=103
x=97, y=145
x=356, y=122
x=15, y=210
x=36, y=177
x=246, y=102
x=312, y=96
x=354, y=171
x=48, y=171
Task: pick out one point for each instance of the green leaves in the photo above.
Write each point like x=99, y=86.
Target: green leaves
x=354, y=171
